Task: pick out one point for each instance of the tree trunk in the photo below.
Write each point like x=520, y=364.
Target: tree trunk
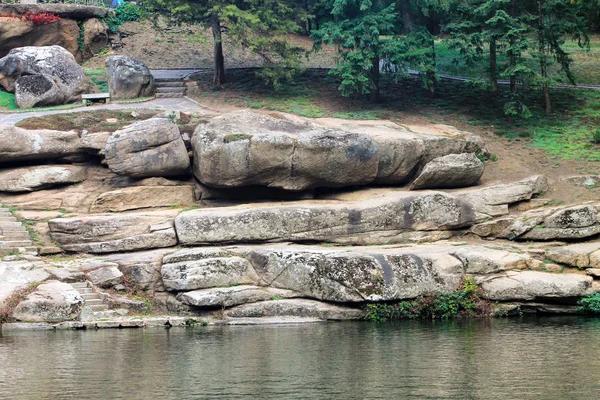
x=543, y=60
x=493, y=65
x=406, y=15
x=219, y=76
x=375, y=75
x=513, y=56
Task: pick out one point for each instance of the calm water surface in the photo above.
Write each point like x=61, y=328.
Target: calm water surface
x=549, y=358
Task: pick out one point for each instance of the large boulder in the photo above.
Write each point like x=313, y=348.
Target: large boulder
x=153, y=147
x=451, y=171
x=28, y=179
x=41, y=76
x=18, y=144
x=128, y=78
x=392, y=217
x=245, y=148
x=533, y=285
x=50, y=302
x=19, y=275
x=113, y=233
x=95, y=37
x=18, y=32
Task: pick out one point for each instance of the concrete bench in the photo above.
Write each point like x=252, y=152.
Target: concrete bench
x=95, y=97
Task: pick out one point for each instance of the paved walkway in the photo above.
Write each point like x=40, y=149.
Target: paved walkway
x=177, y=104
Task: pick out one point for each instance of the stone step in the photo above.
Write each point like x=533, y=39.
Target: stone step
x=93, y=302
x=98, y=307
x=164, y=80
x=78, y=285
x=16, y=250
x=89, y=296
x=170, y=90
x=168, y=95
x=10, y=224
x=4, y=209
x=14, y=235
x=15, y=243
x=161, y=84
x=8, y=218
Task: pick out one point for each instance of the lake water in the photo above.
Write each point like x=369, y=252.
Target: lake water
x=545, y=358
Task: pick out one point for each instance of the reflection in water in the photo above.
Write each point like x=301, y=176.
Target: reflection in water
x=550, y=358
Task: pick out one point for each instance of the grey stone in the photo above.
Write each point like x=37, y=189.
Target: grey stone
x=581, y=255
x=451, y=171
x=232, y=296
x=28, y=179
x=17, y=144
x=142, y=268
x=68, y=275
x=46, y=75
x=18, y=275
x=128, y=78
x=105, y=277
x=113, y=233
x=295, y=308
x=533, y=285
x=50, y=302
x=153, y=147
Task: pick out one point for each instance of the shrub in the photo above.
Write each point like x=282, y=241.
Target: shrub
x=589, y=304
x=40, y=18
x=126, y=12
x=596, y=136
x=466, y=301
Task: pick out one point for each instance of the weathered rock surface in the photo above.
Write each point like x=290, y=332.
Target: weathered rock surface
x=245, y=148
x=582, y=255
x=555, y=223
x=16, y=32
x=451, y=171
x=128, y=78
x=95, y=37
x=533, y=285
x=233, y=296
x=138, y=197
x=94, y=142
x=28, y=179
x=65, y=274
x=295, y=308
x=50, y=302
x=141, y=268
x=153, y=147
x=378, y=220
x=113, y=233
x=17, y=144
x=106, y=277
x=41, y=75
x=17, y=275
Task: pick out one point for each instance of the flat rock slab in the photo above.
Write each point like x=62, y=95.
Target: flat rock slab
x=139, y=197
x=28, y=179
x=553, y=223
x=18, y=275
x=17, y=144
x=50, y=302
x=581, y=255
x=295, y=308
x=233, y=296
x=113, y=233
x=533, y=285
x=245, y=148
x=153, y=147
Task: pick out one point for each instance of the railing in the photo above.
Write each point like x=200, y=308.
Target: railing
x=95, y=3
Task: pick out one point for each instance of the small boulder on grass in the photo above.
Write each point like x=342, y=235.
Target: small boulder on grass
x=451, y=171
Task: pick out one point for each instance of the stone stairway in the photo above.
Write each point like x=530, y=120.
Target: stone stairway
x=169, y=87
x=14, y=238
x=92, y=299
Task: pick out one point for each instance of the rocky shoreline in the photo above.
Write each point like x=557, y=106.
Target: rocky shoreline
x=273, y=219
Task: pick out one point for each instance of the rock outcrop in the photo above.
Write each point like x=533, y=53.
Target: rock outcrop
x=19, y=275
x=147, y=148
x=233, y=296
x=113, y=233
x=553, y=223
x=17, y=144
x=451, y=171
x=295, y=308
x=41, y=76
x=95, y=37
x=50, y=302
x=245, y=148
x=128, y=78
x=28, y=179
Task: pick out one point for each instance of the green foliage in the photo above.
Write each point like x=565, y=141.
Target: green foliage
x=126, y=12
x=7, y=100
x=589, y=304
x=596, y=136
x=81, y=36
x=465, y=301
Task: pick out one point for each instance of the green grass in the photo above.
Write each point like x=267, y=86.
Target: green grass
x=7, y=101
